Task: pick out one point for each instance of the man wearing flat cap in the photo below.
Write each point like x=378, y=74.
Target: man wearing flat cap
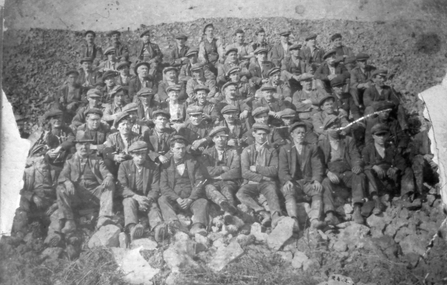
x=236, y=128
x=141, y=80
x=360, y=78
x=94, y=129
x=182, y=185
x=211, y=49
x=260, y=40
x=173, y=105
x=69, y=96
x=306, y=100
x=116, y=105
x=259, y=164
x=312, y=53
x=301, y=173
x=94, y=98
x=146, y=106
x=121, y=50
x=328, y=107
x=343, y=100
x=117, y=144
x=244, y=50
x=84, y=182
x=245, y=87
x=210, y=112
x=196, y=130
x=343, y=163
x=139, y=182
x=178, y=53
x=110, y=62
x=232, y=97
x=157, y=138
x=330, y=69
x=231, y=60
x=88, y=48
x=283, y=91
x=340, y=49
x=293, y=67
x=88, y=76
x=170, y=79
x=378, y=91
x=150, y=53
x=281, y=49
x=110, y=86
x=123, y=77
x=275, y=105
x=198, y=79
x=289, y=117
x=260, y=67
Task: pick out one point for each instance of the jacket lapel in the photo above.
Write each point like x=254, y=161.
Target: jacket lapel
x=171, y=174
x=154, y=140
x=305, y=157
x=145, y=177
x=292, y=161
x=190, y=167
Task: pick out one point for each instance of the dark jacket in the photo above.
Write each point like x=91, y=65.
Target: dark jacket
x=248, y=159
x=177, y=54
x=115, y=144
x=72, y=169
x=392, y=158
x=277, y=54
x=349, y=150
x=307, y=56
x=232, y=160
x=151, y=138
x=357, y=75
x=371, y=96
x=154, y=52
x=135, y=86
x=323, y=72
x=128, y=180
x=257, y=74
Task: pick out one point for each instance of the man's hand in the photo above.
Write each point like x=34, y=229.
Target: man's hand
x=180, y=202
x=163, y=159
x=380, y=172
x=217, y=177
x=108, y=181
x=143, y=201
x=253, y=168
x=356, y=169
x=197, y=143
x=317, y=187
x=38, y=201
x=232, y=142
x=243, y=115
x=225, y=168
x=54, y=152
x=331, y=76
x=288, y=186
x=120, y=157
x=333, y=177
x=265, y=80
x=188, y=202
x=428, y=157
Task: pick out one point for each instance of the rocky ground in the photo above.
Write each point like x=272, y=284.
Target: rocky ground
x=384, y=252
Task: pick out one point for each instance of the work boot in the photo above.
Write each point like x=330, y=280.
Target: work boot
x=228, y=208
x=161, y=232
x=264, y=218
x=357, y=216
x=317, y=224
x=136, y=232
x=410, y=203
x=70, y=226
x=104, y=221
x=198, y=228
x=379, y=207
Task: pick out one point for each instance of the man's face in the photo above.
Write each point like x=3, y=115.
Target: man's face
x=115, y=38
x=146, y=38
x=93, y=121
x=111, y=57
x=230, y=117
x=93, y=101
x=311, y=43
x=209, y=32
x=71, y=79
x=337, y=42
x=328, y=106
x=381, y=137
x=139, y=157
x=262, y=118
x=298, y=134
x=234, y=77
x=142, y=71
x=230, y=92
x=284, y=39
x=201, y=96
x=275, y=77
x=295, y=52
x=268, y=95
x=307, y=84
x=232, y=56
x=124, y=71
x=333, y=131
x=173, y=95
x=379, y=80
x=338, y=90
x=197, y=74
x=109, y=81
x=56, y=121
x=220, y=140
x=261, y=37
x=83, y=149
x=87, y=65
x=160, y=122
x=195, y=119
x=118, y=99
x=178, y=150
x=89, y=38
x=145, y=100
x=331, y=60
x=260, y=136
x=240, y=37
x=124, y=127
x=180, y=42
x=361, y=63
x=262, y=56
x=171, y=75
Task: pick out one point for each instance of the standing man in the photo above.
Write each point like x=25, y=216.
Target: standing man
x=150, y=53
x=121, y=50
x=89, y=49
x=281, y=49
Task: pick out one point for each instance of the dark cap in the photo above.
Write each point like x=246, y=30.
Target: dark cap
x=181, y=36
x=161, y=113
x=196, y=67
x=268, y=88
x=140, y=64
x=273, y=70
x=259, y=111
x=191, y=52
x=94, y=93
x=90, y=32
x=362, y=56
x=329, y=120
x=72, y=72
x=381, y=72
x=178, y=138
x=306, y=76
x=324, y=99
x=335, y=36
x=118, y=90
x=329, y=53
x=201, y=87
x=52, y=113
x=288, y=113
x=231, y=50
x=257, y=126
x=233, y=70
x=122, y=64
x=350, y=59
x=380, y=128
x=109, y=50
x=219, y=129
x=145, y=91
x=83, y=137
x=260, y=30
x=120, y=116
x=337, y=81
x=229, y=109
x=310, y=37
x=208, y=25
x=131, y=107
x=95, y=111
x=296, y=125
x=108, y=74
x=295, y=46
x=169, y=68
x=86, y=59
x=111, y=33
x=138, y=146
x=193, y=110
x=260, y=50
x=173, y=88
x=239, y=31
x=284, y=33
x=147, y=32
x=229, y=83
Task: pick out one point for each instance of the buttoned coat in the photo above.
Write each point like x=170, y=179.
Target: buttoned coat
x=210, y=159
x=72, y=169
x=128, y=180
x=248, y=159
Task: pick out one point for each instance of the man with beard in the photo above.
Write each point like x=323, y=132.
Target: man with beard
x=158, y=137
x=343, y=166
x=94, y=130
x=117, y=145
x=361, y=78
x=178, y=53
x=84, y=182
x=170, y=79
x=236, y=128
x=311, y=53
x=281, y=49
x=378, y=92
x=210, y=112
x=142, y=80
x=330, y=69
x=260, y=67
x=121, y=50
x=231, y=61
x=293, y=67
x=88, y=77
x=259, y=164
x=89, y=49
x=115, y=107
x=139, y=179
x=94, y=102
x=182, y=184
x=340, y=49
x=198, y=79
x=275, y=105
x=196, y=130
x=328, y=107
x=110, y=62
x=306, y=100
x=300, y=173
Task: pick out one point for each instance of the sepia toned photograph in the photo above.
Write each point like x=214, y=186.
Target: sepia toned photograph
x=223, y=142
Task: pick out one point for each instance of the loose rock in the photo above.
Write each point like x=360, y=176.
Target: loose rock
x=107, y=236
x=225, y=255
x=281, y=233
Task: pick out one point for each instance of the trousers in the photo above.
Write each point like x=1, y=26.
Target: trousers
x=131, y=206
x=249, y=192
x=170, y=208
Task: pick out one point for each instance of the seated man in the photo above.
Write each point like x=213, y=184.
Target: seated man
x=210, y=112
x=141, y=80
x=300, y=173
x=259, y=163
x=344, y=100
x=283, y=91
x=360, y=78
x=178, y=53
x=69, y=96
x=344, y=166
x=289, y=117
x=121, y=50
x=384, y=168
x=237, y=129
x=123, y=77
x=110, y=87
x=196, y=130
x=292, y=67
x=115, y=107
x=170, y=79
x=198, y=79
x=280, y=50
x=95, y=130
x=378, y=92
x=139, y=179
x=110, y=63
x=230, y=62
x=340, y=49
x=182, y=183
x=330, y=69
x=275, y=105
x=244, y=50
x=306, y=100
x=175, y=107
x=117, y=145
x=149, y=52
x=185, y=72
x=311, y=53
x=146, y=106
x=84, y=182
x=260, y=67
x=88, y=48
x=327, y=107
x=88, y=76
x=157, y=138
x=232, y=97
x=94, y=101
x=245, y=88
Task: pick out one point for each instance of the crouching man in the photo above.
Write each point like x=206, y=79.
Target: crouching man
x=182, y=188
x=84, y=182
x=259, y=163
x=300, y=172
x=139, y=179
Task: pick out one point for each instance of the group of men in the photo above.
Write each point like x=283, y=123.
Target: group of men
x=253, y=124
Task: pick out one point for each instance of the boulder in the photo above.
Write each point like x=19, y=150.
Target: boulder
x=144, y=243
x=415, y=243
x=107, y=236
x=286, y=255
x=291, y=245
x=256, y=230
x=135, y=268
x=340, y=246
x=387, y=245
x=377, y=225
x=180, y=253
x=352, y=233
x=395, y=225
x=245, y=240
x=51, y=253
x=300, y=260
x=281, y=233
x=225, y=255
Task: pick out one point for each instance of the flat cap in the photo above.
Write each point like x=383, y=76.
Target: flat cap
x=141, y=64
x=324, y=99
x=362, y=56
x=119, y=117
x=258, y=126
x=329, y=53
x=288, y=113
x=381, y=72
x=110, y=50
x=259, y=111
x=310, y=37
x=208, y=25
x=284, y=33
x=231, y=50
x=145, y=91
x=169, y=68
x=233, y=70
x=201, y=87
x=122, y=64
x=138, y=146
x=94, y=93
x=296, y=125
x=260, y=50
x=108, y=74
x=83, y=137
x=295, y=46
x=118, y=90
x=131, y=107
x=306, y=76
x=90, y=32
x=260, y=30
x=239, y=31
x=273, y=70
x=192, y=52
x=218, y=130
x=173, y=88
x=350, y=59
x=337, y=81
x=181, y=37
x=380, y=128
x=161, y=112
x=73, y=71
x=335, y=36
x=268, y=88
x=229, y=83
x=178, y=138
x=383, y=105
x=52, y=113
x=86, y=59
x=196, y=67
x=95, y=111
x=329, y=120
x=111, y=33
x=147, y=32
x=229, y=109
x=194, y=110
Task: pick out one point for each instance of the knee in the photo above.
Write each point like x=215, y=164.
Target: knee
x=288, y=193
x=241, y=193
x=202, y=202
x=163, y=200
x=326, y=183
x=129, y=201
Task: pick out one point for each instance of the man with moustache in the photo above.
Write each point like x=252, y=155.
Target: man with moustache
x=89, y=49
x=121, y=50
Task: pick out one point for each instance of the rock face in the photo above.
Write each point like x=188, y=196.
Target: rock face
x=107, y=236
x=135, y=268
x=281, y=233
x=225, y=255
